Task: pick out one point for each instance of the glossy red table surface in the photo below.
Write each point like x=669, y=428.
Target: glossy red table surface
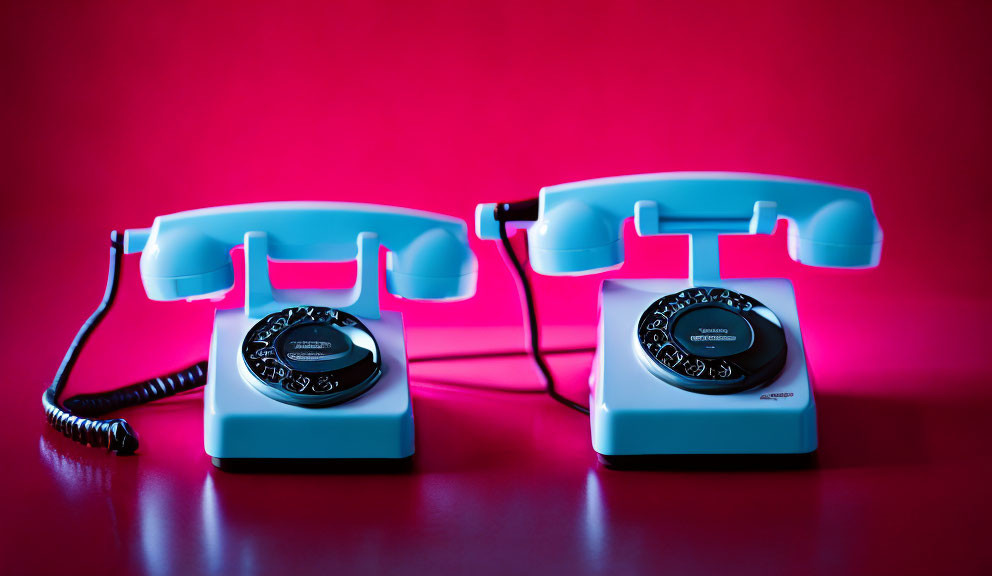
x=506, y=482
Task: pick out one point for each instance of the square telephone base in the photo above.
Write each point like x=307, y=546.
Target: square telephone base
x=245, y=429
x=637, y=416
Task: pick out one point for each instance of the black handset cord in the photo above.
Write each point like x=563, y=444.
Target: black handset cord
x=527, y=210
x=75, y=417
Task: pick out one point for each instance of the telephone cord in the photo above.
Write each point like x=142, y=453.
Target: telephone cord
x=76, y=416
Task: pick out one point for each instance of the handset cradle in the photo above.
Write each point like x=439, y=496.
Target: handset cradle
x=704, y=247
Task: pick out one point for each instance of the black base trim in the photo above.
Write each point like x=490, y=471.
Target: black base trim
x=315, y=465
x=727, y=462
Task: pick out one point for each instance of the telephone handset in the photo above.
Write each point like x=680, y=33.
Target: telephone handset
x=306, y=349
x=578, y=226
x=689, y=366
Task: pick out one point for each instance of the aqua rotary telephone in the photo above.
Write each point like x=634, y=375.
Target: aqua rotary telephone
x=702, y=365
x=295, y=374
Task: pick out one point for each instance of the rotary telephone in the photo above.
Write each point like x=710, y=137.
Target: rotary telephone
x=702, y=365
x=295, y=374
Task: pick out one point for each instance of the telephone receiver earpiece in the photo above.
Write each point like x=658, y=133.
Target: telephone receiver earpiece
x=578, y=226
x=187, y=254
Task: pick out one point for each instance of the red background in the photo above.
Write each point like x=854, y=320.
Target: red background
x=114, y=113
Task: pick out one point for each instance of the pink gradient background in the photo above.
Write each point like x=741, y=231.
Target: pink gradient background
x=115, y=113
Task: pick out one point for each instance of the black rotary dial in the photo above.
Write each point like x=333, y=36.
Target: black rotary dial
x=312, y=356
x=711, y=340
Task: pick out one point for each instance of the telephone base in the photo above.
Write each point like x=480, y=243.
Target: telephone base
x=242, y=424
x=636, y=414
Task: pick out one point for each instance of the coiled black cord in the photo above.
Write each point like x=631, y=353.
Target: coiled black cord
x=140, y=393
x=532, y=322
x=75, y=418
